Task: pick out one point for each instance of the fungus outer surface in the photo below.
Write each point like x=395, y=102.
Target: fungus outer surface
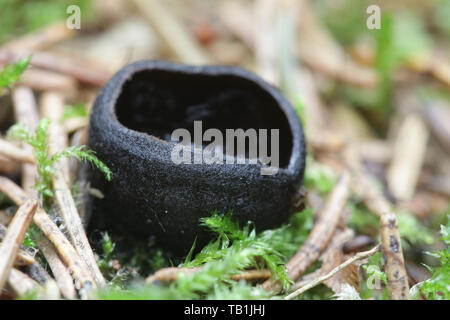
x=150, y=196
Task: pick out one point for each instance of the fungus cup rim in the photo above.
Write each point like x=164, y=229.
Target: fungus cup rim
x=113, y=89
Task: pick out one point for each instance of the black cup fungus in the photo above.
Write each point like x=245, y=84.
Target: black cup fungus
x=130, y=130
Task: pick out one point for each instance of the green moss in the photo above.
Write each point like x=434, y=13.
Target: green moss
x=234, y=250
x=76, y=111
x=412, y=231
x=438, y=286
x=347, y=30
x=21, y=17
x=319, y=177
x=374, y=281
x=362, y=220
x=12, y=72
x=232, y=238
x=45, y=162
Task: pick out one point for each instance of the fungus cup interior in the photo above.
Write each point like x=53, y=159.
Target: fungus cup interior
x=158, y=102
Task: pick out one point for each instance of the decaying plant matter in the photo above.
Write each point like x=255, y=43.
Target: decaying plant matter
x=14, y=237
x=76, y=265
x=374, y=104
x=320, y=234
x=395, y=265
x=317, y=281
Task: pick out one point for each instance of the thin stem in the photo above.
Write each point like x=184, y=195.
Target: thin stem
x=317, y=281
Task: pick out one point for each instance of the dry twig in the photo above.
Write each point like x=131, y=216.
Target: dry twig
x=42, y=38
x=397, y=278
x=436, y=114
x=21, y=283
x=334, y=256
x=357, y=243
x=364, y=184
x=14, y=152
x=181, y=43
x=171, y=274
x=44, y=80
x=331, y=257
x=24, y=105
x=320, y=51
x=265, y=40
x=317, y=281
x=38, y=273
x=78, y=138
x=52, y=107
x=440, y=69
x=238, y=17
x=25, y=112
x=410, y=144
x=378, y=204
x=320, y=234
x=23, y=258
x=65, y=249
x=51, y=290
x=59, y=270
x=252, y=275
x=8, y=166
x=75, y=67
x=74, y=124
x=14, y=237
x=317, y=48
